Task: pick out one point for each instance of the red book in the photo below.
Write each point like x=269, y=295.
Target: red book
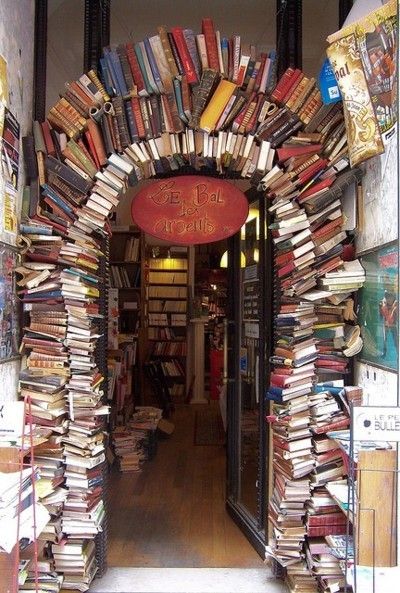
x=286, y=152
x=137, y=114
x=135, y=68
x=332, y=426
x=284, y=258
x=184, y=55
x=237, y=122
x=316, y=187
x=286, y=269
x=327, y=228
x=322, y=530
x=252, y=125
x=337, y=518
x=283, y=83
x=97, y=139
x=48, y=140
x=207, y=27
x=294, y=82
x=92, y=148
x=312, y=170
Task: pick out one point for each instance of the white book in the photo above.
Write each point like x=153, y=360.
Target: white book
x=220, y=61
x=121, y=163
x=202, y=50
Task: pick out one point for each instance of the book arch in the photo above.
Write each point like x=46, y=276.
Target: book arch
x=190, y=114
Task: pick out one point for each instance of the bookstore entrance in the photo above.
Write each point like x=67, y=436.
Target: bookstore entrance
x=181, y=342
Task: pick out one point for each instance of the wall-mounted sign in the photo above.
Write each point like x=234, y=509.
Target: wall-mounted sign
x=191, y=209
x=373, y=423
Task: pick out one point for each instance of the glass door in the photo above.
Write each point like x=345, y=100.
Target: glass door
x=248, y=347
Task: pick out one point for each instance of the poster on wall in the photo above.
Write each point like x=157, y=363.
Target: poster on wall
x=378, y=312
x=363, y=58
x=8, y=303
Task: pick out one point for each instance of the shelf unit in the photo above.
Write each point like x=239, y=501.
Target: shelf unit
x=126, y=248
x=165, y=314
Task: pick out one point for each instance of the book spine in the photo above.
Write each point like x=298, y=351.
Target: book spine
x=235, y=57
x=283, y=83
x=153, y=65
x=211, y=44
x=162, y=32
x=175, y=53
x=202, y=50
x=96, y=81
x=202, y=95
x=118, y=104
x=126, y=71
x=130, y=119
x=135, y=69
x=135, y=102
x=190, y=40
x=98, y=143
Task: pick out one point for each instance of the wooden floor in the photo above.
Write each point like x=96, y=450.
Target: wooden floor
x=173, y=513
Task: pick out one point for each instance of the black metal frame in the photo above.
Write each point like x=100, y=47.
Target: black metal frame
x=344, y=9
x=40, y=61
x=289, y=35
x=254, y=527
x=96, y=31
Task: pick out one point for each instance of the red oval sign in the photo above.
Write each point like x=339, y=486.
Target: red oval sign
x=191, y=209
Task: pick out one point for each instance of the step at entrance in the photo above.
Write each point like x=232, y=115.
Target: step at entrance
x=188, y=580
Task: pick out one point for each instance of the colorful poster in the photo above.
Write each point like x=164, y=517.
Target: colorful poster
x=3, y=81
x=363, y=58
x=378, y=313
x=10, y=148
x=9, y=209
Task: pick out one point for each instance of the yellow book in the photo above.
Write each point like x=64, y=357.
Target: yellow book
x=217, y=104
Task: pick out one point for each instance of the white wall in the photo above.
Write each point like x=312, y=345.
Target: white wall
x=16, y=46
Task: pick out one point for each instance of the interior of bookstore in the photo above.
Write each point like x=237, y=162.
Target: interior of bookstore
x=199, y=332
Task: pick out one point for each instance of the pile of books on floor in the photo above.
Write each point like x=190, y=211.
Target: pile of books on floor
x=136, y=442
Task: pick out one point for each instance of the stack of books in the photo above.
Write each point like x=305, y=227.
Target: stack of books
x=134, y=442
x=324, y=565
x=76, y=560
x=127, y=449
x=315, y=330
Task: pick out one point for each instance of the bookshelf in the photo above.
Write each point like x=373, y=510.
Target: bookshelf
x=125, y=260
x=166, y=314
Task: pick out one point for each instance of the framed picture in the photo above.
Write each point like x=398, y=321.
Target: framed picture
x=9, y=304
x=378, y=307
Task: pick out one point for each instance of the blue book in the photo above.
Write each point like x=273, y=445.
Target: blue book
x=83, y=275
x=139, y=54
x=271, y=82
x=111, y=69
x=49, y=192
x=273, y=397
x=106, y=77
x=51, y=294
x=27, y=229
x=153, y=65
x=119, y=72
x=179, y=102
